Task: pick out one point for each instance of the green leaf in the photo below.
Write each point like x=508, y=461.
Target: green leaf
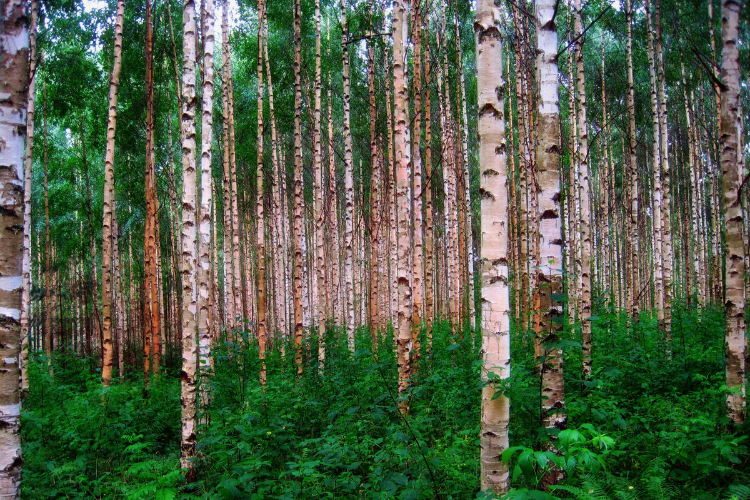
x=559, y=297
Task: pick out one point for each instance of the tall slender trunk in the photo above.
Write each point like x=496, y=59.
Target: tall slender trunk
x=465, y=175
x=607, y=224
x=297, y=185
x=231, y=313
x=374, y=192
x=513, y=208
x=572, y=239
x=429, y=236
x=259, y=208
x=240, y=299
x=278, y=204
x=392, y=238
x=633, y=280
x=583, y=184
x=203, y=268
x=453, y=286
x=14, y=83
x=657, y=190
x=549, y=277
x=28, y=165
x=189, y=372
x=495, y=270
x=47, y=247
x=403, y=194
x=320, y=260
x=109, y=202
x=731, y=169
x=523, y=178
x=336, y=306
x=120, y=298
x=151, y=306
x=416, y=158
x=666, y=218
x=348, y=187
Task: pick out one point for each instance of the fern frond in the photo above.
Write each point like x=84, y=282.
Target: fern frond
x=739, y=492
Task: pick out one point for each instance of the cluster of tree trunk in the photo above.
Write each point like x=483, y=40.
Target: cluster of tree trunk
x=643, y=234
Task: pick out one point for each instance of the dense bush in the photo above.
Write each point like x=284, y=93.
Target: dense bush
x=649, y=425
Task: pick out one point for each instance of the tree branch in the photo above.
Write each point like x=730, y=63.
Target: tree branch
x=583, y=32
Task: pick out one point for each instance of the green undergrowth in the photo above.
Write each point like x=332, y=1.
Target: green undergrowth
x=650, y=423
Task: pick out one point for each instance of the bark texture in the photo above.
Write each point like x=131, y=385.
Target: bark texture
x=403, y=194
x=584, y=221
x=260, y=212
x=206, y=181
x=188, y=394
x=731, y=156
x=298, y=185
x=349, y=189
x=549, y=276
x=495, y=269
x=109, y=201
x=29, y=161
x=14, y=81
x=151, y=303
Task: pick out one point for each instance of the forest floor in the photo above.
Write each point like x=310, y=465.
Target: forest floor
x=649, y=425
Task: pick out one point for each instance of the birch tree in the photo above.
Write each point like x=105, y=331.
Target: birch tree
x=28, y=165
x=206, y=181
x=14, y=81
x=731, y=164
x=403, y=194
x=549, y=273
x=109, y=201
x=495, y=290
x=188, y=389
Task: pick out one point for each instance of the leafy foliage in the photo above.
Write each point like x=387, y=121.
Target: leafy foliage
x=645, y=427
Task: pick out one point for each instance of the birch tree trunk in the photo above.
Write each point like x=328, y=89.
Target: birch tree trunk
x=109, y=202
x=278, y=210
x=429, y=239
x=657, y=190
x=298, y=185
x=583, y=185
x=47, y=246
x=633, y=281
x=495, y=271
x=231, y=314
x=240, y=299
x=349, y=188
x=188, y=394
x=417, y=270
x=549, y=278
x=260, y=213
x=465, y=175
x=151, y=306
x=333, y=210
x=403, y=195
x=14, y=82
x=320, y=260
x=203, y=268
x=666, y=217
x=28, y=165
x=731, y=156
x=374, y=193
